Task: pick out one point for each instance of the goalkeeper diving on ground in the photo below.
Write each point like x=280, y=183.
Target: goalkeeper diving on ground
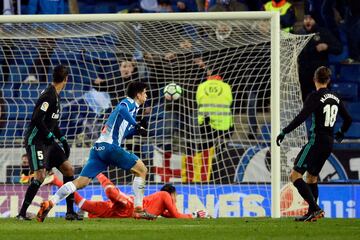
x=119, y=205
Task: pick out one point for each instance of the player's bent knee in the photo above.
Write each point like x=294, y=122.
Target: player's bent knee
x=67, y=169
x=140, y=169
x=40, y=175
x=81, y=182
x=311, y=179
x=294, y=175
x=40, y=179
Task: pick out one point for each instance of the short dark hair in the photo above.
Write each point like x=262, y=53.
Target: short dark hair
x=168, y=188
x=60, y=73
x=133, y=88
x=322, y=74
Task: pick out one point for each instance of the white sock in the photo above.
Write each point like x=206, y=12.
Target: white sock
x=65, y=190
x=138, y=188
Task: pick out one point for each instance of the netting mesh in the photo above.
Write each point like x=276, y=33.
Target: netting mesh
x=227, y=173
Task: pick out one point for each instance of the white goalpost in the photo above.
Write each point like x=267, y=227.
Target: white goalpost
x=242, y=174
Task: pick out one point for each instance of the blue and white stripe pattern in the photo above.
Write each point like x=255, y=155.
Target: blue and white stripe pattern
x=118, y=126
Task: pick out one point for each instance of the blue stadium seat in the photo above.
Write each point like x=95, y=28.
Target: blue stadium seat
x=334, y=70
x=74, y=90
x=19, y=109
x=61, y=55
x=18, y=73
x=31, y=90
x=73, y=116
x=266, y=132
x=14, y=129
x=67, y=95
x=80, y=75
x=69, y=58
x=9, y=90
x=346, y=90
x=350, y=72
x=341, y=57
x=353, y=132
x=354, y=110
x=89, y=72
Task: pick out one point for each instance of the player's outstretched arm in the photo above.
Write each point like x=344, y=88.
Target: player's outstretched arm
x=311, y=103
x=172, y=211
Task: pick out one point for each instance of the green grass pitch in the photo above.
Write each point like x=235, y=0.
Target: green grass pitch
x=222, y=228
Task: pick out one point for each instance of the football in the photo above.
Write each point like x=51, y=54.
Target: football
x=172, y=92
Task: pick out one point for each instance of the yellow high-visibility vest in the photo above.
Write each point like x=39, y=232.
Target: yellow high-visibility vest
x=214, y=98
x=283, y=10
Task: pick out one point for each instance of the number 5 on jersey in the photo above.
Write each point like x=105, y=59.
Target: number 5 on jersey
x=40, y=155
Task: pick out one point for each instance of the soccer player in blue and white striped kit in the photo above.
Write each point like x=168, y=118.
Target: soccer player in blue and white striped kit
x=107, y=151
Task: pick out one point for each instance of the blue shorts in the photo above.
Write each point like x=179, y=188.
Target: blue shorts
x=103, y=155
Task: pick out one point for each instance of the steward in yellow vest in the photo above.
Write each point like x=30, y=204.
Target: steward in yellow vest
x=214, y=99
x=287, y=14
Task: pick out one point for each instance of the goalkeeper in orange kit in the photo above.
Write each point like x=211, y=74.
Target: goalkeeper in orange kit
x=120, y=205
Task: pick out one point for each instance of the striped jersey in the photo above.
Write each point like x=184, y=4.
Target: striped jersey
x=121, y=123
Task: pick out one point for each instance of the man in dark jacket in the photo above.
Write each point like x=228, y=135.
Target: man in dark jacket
x=315, y=53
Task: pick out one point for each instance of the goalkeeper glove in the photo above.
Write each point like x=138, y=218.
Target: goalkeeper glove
x=141, y=130
x=280, y=138
x=339, y=136
x=200, y=214
x=66, y=146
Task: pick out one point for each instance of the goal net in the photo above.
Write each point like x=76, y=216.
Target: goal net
x=228, y=172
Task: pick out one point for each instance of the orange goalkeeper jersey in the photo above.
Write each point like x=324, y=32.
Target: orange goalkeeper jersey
x=159, y=203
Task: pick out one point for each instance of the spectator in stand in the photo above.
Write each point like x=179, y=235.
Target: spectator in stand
x=327, y=13
x=352, y=22
x=203, y=5
x=287, y=13
x=315, y=53
x=116, y=85
x=214, y=99
x=165, y=6
x=25, y=174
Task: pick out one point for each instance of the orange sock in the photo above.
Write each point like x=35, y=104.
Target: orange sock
x=115, y=195
x=77, y=198
x=57, y=181
x=103, y=180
